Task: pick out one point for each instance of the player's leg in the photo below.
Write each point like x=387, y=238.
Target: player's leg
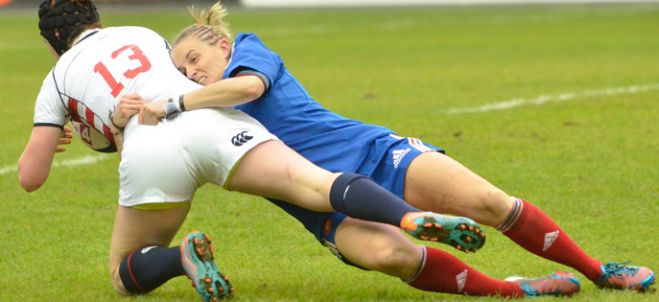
x=437, y=182
x=155, y=183
x=379, y=247
x=141, y=259
x=138, y=230
x=273, y=170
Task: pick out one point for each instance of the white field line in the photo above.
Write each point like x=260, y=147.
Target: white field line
x=554, y=98
x=80, y=161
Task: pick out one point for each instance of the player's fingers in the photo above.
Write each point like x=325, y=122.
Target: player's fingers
x=129, y=97
x=132, y=111
x=67, y=134
x=137, y=102
x=132, y=99
x=128, y=111
x=135, y=106
x=60, y=149
x=132, y=105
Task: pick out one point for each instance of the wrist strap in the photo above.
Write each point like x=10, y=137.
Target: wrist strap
x=113, y=123
x=181, y=105
x=171, y=108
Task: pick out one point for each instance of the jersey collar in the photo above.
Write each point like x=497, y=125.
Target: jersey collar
x=85, y=34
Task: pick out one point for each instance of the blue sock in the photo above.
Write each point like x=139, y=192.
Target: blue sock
x=146, y=269
x=359, y=197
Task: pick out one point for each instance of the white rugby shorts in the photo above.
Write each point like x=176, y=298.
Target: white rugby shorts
x=169, y=161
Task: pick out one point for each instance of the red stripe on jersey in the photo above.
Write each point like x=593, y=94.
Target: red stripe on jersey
x=73, y=109
x=89, y=116
x=108, y=134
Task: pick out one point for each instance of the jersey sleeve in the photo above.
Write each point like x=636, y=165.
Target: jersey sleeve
x=49, y=109
x=261, y=76
x=250, y=55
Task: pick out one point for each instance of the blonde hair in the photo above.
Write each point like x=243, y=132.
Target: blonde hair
x=209, y=26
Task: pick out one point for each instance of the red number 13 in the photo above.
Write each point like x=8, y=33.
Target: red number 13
x=137, y=54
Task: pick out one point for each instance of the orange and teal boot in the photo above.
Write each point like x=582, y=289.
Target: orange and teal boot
x=621, y=276
x=461, y=233
x=199, y=265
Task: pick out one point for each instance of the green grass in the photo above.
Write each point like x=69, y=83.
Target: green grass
x=592, y=163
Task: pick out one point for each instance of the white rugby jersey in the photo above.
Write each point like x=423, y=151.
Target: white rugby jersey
x=89, y=79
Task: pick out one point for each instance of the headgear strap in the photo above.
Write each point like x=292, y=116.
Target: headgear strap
x=62, y=20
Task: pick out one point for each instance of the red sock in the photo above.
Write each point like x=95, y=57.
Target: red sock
x=535, y=231
x=442, y=272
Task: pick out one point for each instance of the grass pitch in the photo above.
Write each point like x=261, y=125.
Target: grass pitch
x=577, y=133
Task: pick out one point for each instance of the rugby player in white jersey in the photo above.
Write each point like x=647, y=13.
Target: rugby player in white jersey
x=162, y=166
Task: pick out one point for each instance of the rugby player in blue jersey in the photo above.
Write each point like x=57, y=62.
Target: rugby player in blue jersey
x=251, y=77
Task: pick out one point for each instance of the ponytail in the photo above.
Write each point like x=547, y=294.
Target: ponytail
x=210, y=26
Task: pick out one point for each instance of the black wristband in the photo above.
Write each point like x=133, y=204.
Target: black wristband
x=181, y=105
x=113, y=124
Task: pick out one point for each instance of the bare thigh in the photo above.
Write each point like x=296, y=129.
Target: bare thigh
x=135, y=229
x=436, y=182
x=379, y=247
x=274, y=170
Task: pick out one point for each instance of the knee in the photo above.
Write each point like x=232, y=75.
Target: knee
x=493, y=206
x=400, y=260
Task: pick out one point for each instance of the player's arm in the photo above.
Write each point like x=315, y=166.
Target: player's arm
x=118, y=138
x=126, y=108
x=231, y=92
x=226, y=93
x=37, y=158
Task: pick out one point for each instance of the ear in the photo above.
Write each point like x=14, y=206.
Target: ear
x=225, y=46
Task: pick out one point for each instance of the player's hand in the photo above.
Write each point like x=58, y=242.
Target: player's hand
x=153, y=112
x=65, y=139
x=129, y=105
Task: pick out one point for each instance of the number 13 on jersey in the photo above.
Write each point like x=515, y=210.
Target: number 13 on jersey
x=133, y=53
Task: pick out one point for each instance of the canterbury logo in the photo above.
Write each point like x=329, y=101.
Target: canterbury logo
x=461, y=280
x=240, y=139
x=550, y=238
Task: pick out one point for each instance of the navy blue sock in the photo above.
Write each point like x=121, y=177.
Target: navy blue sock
x=146, y=269
x=359, y=197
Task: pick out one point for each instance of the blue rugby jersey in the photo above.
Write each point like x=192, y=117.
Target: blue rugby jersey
x=286, y=109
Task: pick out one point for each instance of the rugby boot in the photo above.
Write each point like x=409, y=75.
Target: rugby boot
x=621, y=276
x=556, y=284
x=461, y=233
x=199, y=265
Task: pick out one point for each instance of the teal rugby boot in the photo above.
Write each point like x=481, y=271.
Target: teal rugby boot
x=461, y=233
x=199, y=265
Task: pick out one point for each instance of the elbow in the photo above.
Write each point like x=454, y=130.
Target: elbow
x=253, y=89
x=29, y=183
x=252, y=92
